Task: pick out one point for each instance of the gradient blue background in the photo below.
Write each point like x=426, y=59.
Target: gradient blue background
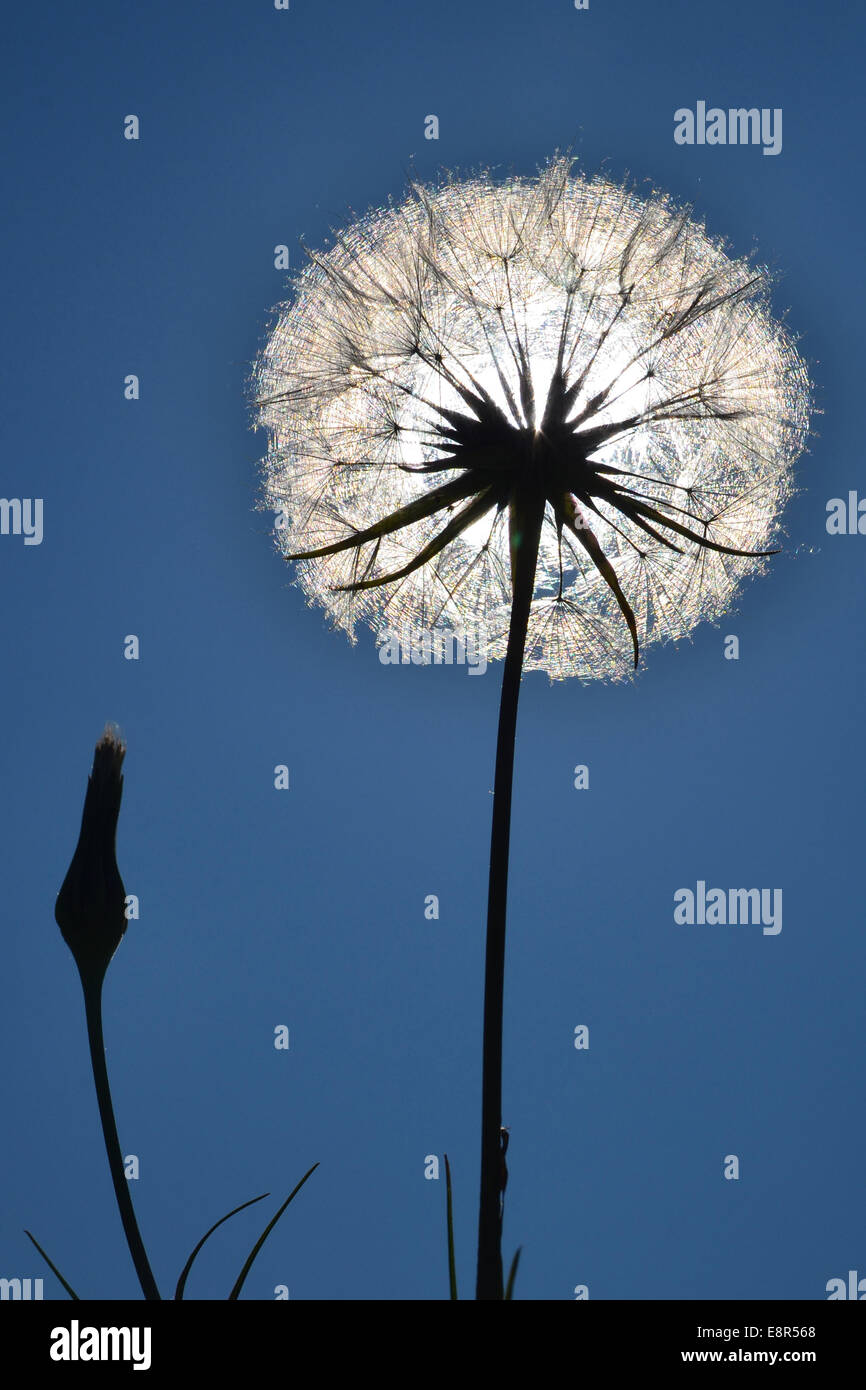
x=305, y=907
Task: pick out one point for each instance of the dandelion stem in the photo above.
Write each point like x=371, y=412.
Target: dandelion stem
x=526, y=518
x=92, y=984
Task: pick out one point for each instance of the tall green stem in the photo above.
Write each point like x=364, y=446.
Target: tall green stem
x=93, y=1009
x=526, y=518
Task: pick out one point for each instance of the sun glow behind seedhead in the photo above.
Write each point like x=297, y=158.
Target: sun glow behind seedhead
x=372, y=383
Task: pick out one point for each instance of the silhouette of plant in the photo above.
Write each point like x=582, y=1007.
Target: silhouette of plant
x=91, y=913
x=547, y=406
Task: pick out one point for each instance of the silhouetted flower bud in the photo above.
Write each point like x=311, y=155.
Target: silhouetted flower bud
x=90, y=907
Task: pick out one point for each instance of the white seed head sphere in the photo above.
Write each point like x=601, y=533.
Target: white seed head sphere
x=558, y=332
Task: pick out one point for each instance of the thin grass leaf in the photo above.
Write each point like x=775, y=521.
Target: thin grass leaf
x=264, y=1235
x=181, y=1283
x=512, y=1273
x=53, y=1267
x=452, y=1267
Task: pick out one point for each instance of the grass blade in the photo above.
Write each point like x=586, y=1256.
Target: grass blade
x=239, y=1283
x=512, y=1273
x=181, y=1283
x=68, y=1287
x=452, y=1267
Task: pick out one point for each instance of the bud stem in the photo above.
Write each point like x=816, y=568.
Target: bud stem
x=92, y=985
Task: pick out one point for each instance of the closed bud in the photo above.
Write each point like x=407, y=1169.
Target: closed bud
x=90, y=907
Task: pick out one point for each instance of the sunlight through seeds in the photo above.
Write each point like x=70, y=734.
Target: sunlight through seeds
x=443, y=351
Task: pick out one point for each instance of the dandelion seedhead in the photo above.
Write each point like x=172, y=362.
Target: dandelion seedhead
x=452, y=363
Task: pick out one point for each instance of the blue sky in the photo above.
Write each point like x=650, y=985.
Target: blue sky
x=306, y=907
